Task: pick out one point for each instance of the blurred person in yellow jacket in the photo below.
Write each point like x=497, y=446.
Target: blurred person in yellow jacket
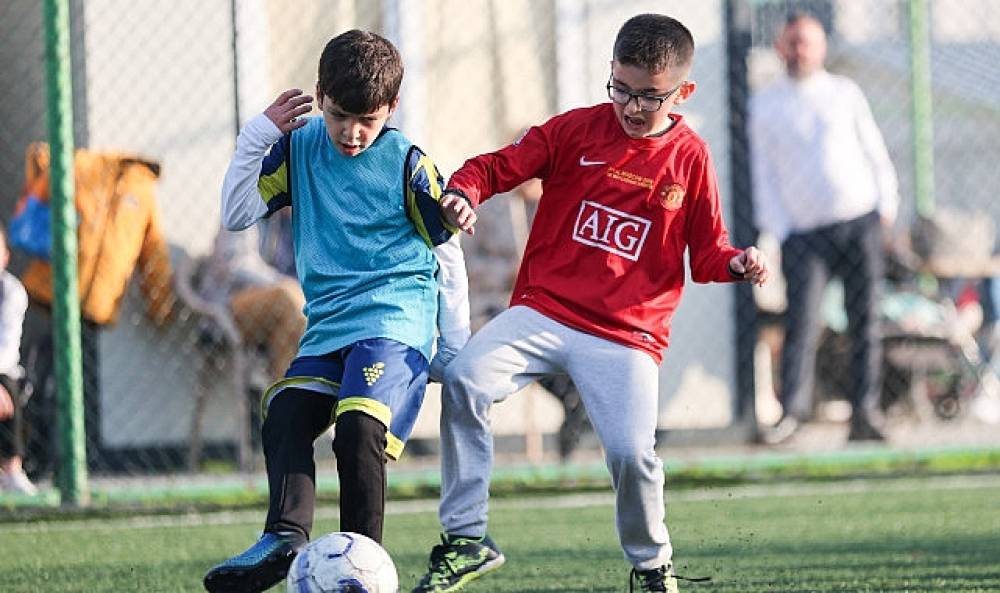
x=118, y=230
x=119, y=227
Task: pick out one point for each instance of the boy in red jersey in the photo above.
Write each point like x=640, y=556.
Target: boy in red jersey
x=627, y=188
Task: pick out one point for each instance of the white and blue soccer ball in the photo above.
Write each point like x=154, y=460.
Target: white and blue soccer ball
x=343, y=562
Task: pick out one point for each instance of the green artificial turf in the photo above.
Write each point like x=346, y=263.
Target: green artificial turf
x=934, y=534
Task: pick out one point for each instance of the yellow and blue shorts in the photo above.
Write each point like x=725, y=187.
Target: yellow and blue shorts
x=380, y=377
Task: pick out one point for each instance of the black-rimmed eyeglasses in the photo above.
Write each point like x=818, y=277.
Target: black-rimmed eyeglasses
x=644, y=101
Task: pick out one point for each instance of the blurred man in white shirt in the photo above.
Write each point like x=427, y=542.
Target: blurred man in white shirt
x=825, y=187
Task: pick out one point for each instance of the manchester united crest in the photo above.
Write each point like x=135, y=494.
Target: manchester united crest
x=672, y=196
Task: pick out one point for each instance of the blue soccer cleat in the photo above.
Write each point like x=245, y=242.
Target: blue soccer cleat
x=257, y=569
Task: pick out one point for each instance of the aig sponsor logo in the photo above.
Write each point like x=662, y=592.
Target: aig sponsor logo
x=611, y=230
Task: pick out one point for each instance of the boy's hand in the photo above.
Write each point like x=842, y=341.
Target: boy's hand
x=458, y=212
x=751, y=265
x=287, y=108
x=442, y=358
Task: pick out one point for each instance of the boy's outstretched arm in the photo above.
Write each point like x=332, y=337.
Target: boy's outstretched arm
x=242, y=201
x=751, y=265
x=486, y=175
x=429, y=209
x=454, y=318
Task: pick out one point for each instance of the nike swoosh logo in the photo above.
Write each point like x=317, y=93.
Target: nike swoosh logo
x=585, y=163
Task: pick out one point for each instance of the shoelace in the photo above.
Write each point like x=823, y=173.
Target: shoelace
x=657, y=578
x=439, y=558
x=648, y=580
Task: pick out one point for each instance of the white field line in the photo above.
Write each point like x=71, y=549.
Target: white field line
x=531, y=502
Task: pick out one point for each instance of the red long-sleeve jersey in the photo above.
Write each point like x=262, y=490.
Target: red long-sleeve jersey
x=606, y=250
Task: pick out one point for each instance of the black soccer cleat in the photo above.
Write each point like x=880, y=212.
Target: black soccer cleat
x=257, y=569
x=657, y=579
x=661, y=579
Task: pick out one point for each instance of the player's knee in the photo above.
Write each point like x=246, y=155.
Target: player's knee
x=628, y=453
x=296, y=414
x=465, y=378
x=357, y=434
x=281, y=414
x=464, y=394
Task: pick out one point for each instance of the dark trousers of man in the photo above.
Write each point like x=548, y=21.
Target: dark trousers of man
x=853, y=251
x=295, y=418
x=40, y=415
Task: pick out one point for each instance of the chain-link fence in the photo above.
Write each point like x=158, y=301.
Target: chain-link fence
x=170, y=83
x=922, y=67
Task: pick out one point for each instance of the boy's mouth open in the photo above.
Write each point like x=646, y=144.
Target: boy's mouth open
x=634, y=125
x=349, y=149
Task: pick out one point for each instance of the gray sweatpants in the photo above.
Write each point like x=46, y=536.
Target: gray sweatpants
x=618, y=386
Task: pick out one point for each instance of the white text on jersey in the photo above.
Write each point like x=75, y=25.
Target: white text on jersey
x=611, y=230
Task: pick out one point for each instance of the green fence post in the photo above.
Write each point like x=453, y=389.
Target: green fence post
x=66, y=301
x=923, y=118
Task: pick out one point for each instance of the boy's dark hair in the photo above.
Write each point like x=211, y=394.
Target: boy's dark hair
x=654, y=42
x=360, y=71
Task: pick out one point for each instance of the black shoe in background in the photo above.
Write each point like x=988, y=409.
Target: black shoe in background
x=862, y=429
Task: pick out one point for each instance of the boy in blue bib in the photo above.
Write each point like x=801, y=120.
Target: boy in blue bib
x=381, y=271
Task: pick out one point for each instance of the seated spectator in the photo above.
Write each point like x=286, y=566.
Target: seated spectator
x=266, y=304
x=13, y=304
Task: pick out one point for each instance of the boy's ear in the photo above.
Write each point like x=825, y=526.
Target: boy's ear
x=684, y=93
x=319, y=97
x=393, y=105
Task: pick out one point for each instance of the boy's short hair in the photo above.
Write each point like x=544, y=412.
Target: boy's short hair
x=654, y=42
x=360, y=71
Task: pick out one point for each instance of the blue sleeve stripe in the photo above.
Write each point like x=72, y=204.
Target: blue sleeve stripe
x=423, y=193
x=279, y=155
x=274, y=182
x=278, y=202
